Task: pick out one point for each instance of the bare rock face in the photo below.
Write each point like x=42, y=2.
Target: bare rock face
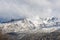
x=35, y=36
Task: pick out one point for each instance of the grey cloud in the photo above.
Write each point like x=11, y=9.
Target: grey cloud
x=28, y=8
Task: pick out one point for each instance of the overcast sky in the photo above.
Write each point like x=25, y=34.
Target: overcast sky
x=29, y=8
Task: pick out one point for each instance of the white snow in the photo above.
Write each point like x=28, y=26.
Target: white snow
x=30, y=25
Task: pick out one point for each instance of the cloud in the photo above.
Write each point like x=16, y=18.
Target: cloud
x=29, y=8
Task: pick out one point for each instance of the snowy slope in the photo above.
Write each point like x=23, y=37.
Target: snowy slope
x=31, y=25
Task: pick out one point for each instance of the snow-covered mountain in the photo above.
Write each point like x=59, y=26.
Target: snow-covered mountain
x=31, y=25
x=20, y=27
